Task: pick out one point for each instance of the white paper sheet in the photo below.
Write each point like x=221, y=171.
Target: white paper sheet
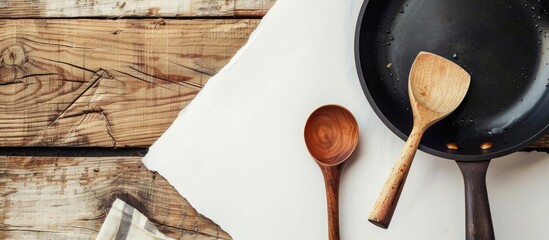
x=237, y=151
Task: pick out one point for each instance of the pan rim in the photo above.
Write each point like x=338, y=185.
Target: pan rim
x=451, y=154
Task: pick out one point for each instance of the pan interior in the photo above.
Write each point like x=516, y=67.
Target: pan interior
x=502, y=44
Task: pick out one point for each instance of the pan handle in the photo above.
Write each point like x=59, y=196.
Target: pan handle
x=477, y=207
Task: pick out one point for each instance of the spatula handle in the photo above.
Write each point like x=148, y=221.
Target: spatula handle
x=477, y=207
x=387, y=201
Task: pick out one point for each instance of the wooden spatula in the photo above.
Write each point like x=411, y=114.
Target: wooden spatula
x=436, y=87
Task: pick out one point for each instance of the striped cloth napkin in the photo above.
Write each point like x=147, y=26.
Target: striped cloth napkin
x=125, y=222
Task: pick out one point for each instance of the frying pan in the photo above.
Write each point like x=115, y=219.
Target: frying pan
x=504, y=46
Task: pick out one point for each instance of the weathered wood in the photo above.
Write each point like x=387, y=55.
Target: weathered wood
x=112, y=83
x=68, y=198
x=253, y=7
x=541, y=144
x=132, y=8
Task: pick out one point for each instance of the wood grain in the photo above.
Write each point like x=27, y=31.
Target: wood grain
x=68, y=198
x=133, y=8
x=332, y=175
x=436, y=88
x=331, y=136
x=541, y=144
x=109, y=83
x=250, y=8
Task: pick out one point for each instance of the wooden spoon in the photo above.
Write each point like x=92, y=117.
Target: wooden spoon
x=331, y=135
x=436, y=87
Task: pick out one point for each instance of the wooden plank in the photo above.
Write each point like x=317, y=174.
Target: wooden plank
x=68, y=198
x=132, y=8
x=542, y=144
x=253, y=8
x=107, y=83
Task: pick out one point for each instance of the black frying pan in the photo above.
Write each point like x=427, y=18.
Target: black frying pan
x=503, y=44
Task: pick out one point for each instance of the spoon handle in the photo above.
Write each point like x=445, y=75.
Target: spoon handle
x=387, y=201
x=331, y=180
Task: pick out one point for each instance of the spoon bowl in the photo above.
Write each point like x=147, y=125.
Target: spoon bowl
x=331, y=136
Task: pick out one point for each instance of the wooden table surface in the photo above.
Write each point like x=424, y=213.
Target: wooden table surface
x=106, y=78
x=94, y=84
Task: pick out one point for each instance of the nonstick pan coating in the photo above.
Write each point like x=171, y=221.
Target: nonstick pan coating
x=503, y=44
